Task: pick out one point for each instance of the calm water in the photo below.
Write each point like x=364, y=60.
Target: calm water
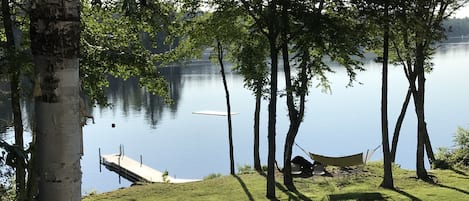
x=346, y=121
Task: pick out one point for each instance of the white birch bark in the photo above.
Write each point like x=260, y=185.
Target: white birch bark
x=55, y=34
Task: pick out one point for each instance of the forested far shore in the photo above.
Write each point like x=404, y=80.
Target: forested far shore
x=457, y=27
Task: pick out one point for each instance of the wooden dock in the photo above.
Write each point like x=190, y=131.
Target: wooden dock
x=214, y=113
x=135, y=171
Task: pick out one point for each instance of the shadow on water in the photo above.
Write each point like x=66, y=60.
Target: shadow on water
x=355, y=196
x=245, y=188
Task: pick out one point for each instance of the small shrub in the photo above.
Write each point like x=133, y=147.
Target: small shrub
x=7, y=180
x=245, y=169
x=165, y=177
x=344, y=181
x=91, y=193
x=212, y=176
x=459, y=156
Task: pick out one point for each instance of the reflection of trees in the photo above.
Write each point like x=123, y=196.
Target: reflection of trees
x=128, y=96
x=5, y=108
x=173, y=76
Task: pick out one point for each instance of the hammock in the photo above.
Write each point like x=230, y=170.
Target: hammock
x=343, y=161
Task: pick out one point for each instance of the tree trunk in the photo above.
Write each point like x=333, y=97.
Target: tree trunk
x=428, y=147
x=228, y=107
x=272, y=120
x=55, y=36
x=397, y=128
x=15, y=72
x=289, y=142
x=20, y=165
x=419, y=108
x=294, y=121
x=257, y=158
x=272, y=36
x=32, y=184
x=387, y=178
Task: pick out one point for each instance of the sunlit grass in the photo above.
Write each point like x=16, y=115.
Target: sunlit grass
x=364, y=185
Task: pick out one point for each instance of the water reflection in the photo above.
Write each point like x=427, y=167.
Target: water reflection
x=127, y=96
x=171, y=138
x=6, y=116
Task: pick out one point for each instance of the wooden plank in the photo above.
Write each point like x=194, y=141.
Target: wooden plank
x=215, y=113
x=134, y=171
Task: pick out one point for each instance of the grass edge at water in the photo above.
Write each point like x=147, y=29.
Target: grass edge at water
x=451, y=185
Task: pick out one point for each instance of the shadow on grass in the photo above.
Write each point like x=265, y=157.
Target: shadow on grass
x=413, y=198
x=458, y=171
x=355, y=196
x=453, y=188
x=434, y=181
x=245, y=188
x=292, y=195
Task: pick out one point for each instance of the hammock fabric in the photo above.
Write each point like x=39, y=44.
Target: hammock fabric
x=343, y=161
x=356, y=159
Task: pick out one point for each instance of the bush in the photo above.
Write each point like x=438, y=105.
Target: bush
x=7, y=191
x=459, y=156
x=212, y=176
x=245, y=169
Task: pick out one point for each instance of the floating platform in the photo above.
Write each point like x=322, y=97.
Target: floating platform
x=215, y=113
x=135, y=171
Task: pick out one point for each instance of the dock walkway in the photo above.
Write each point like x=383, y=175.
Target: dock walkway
x=134, y=171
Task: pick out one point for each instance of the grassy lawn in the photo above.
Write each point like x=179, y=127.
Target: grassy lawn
x=451, y=185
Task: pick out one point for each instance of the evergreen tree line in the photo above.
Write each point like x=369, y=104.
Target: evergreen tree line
x=457, y=27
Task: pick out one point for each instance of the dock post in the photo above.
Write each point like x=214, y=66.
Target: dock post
x=100, y=162
x=121, y=150
x=119, y=164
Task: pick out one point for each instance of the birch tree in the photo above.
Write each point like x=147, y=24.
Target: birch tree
x=55, y=39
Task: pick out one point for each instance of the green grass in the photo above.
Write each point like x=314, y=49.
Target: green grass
x=450, y=185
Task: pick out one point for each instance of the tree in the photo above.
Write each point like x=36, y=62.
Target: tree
x=266, y=22
x=55, y=39
x=220, y=54
x=249, y=59
x=111, y=45
x=228, y=24
x=311, y=30
x=420, y=25
x=397, y=128
x=15, y=62
x=387, y=178
x=379, y=15
x=264, y=16
x=220, y=30
x=14, y=72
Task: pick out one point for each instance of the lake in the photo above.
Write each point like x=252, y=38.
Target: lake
x=345, y=121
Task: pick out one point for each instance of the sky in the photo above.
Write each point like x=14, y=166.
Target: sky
x=462, y=12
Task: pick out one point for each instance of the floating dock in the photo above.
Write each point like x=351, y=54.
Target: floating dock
x=215, y=113
x=135, y=171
